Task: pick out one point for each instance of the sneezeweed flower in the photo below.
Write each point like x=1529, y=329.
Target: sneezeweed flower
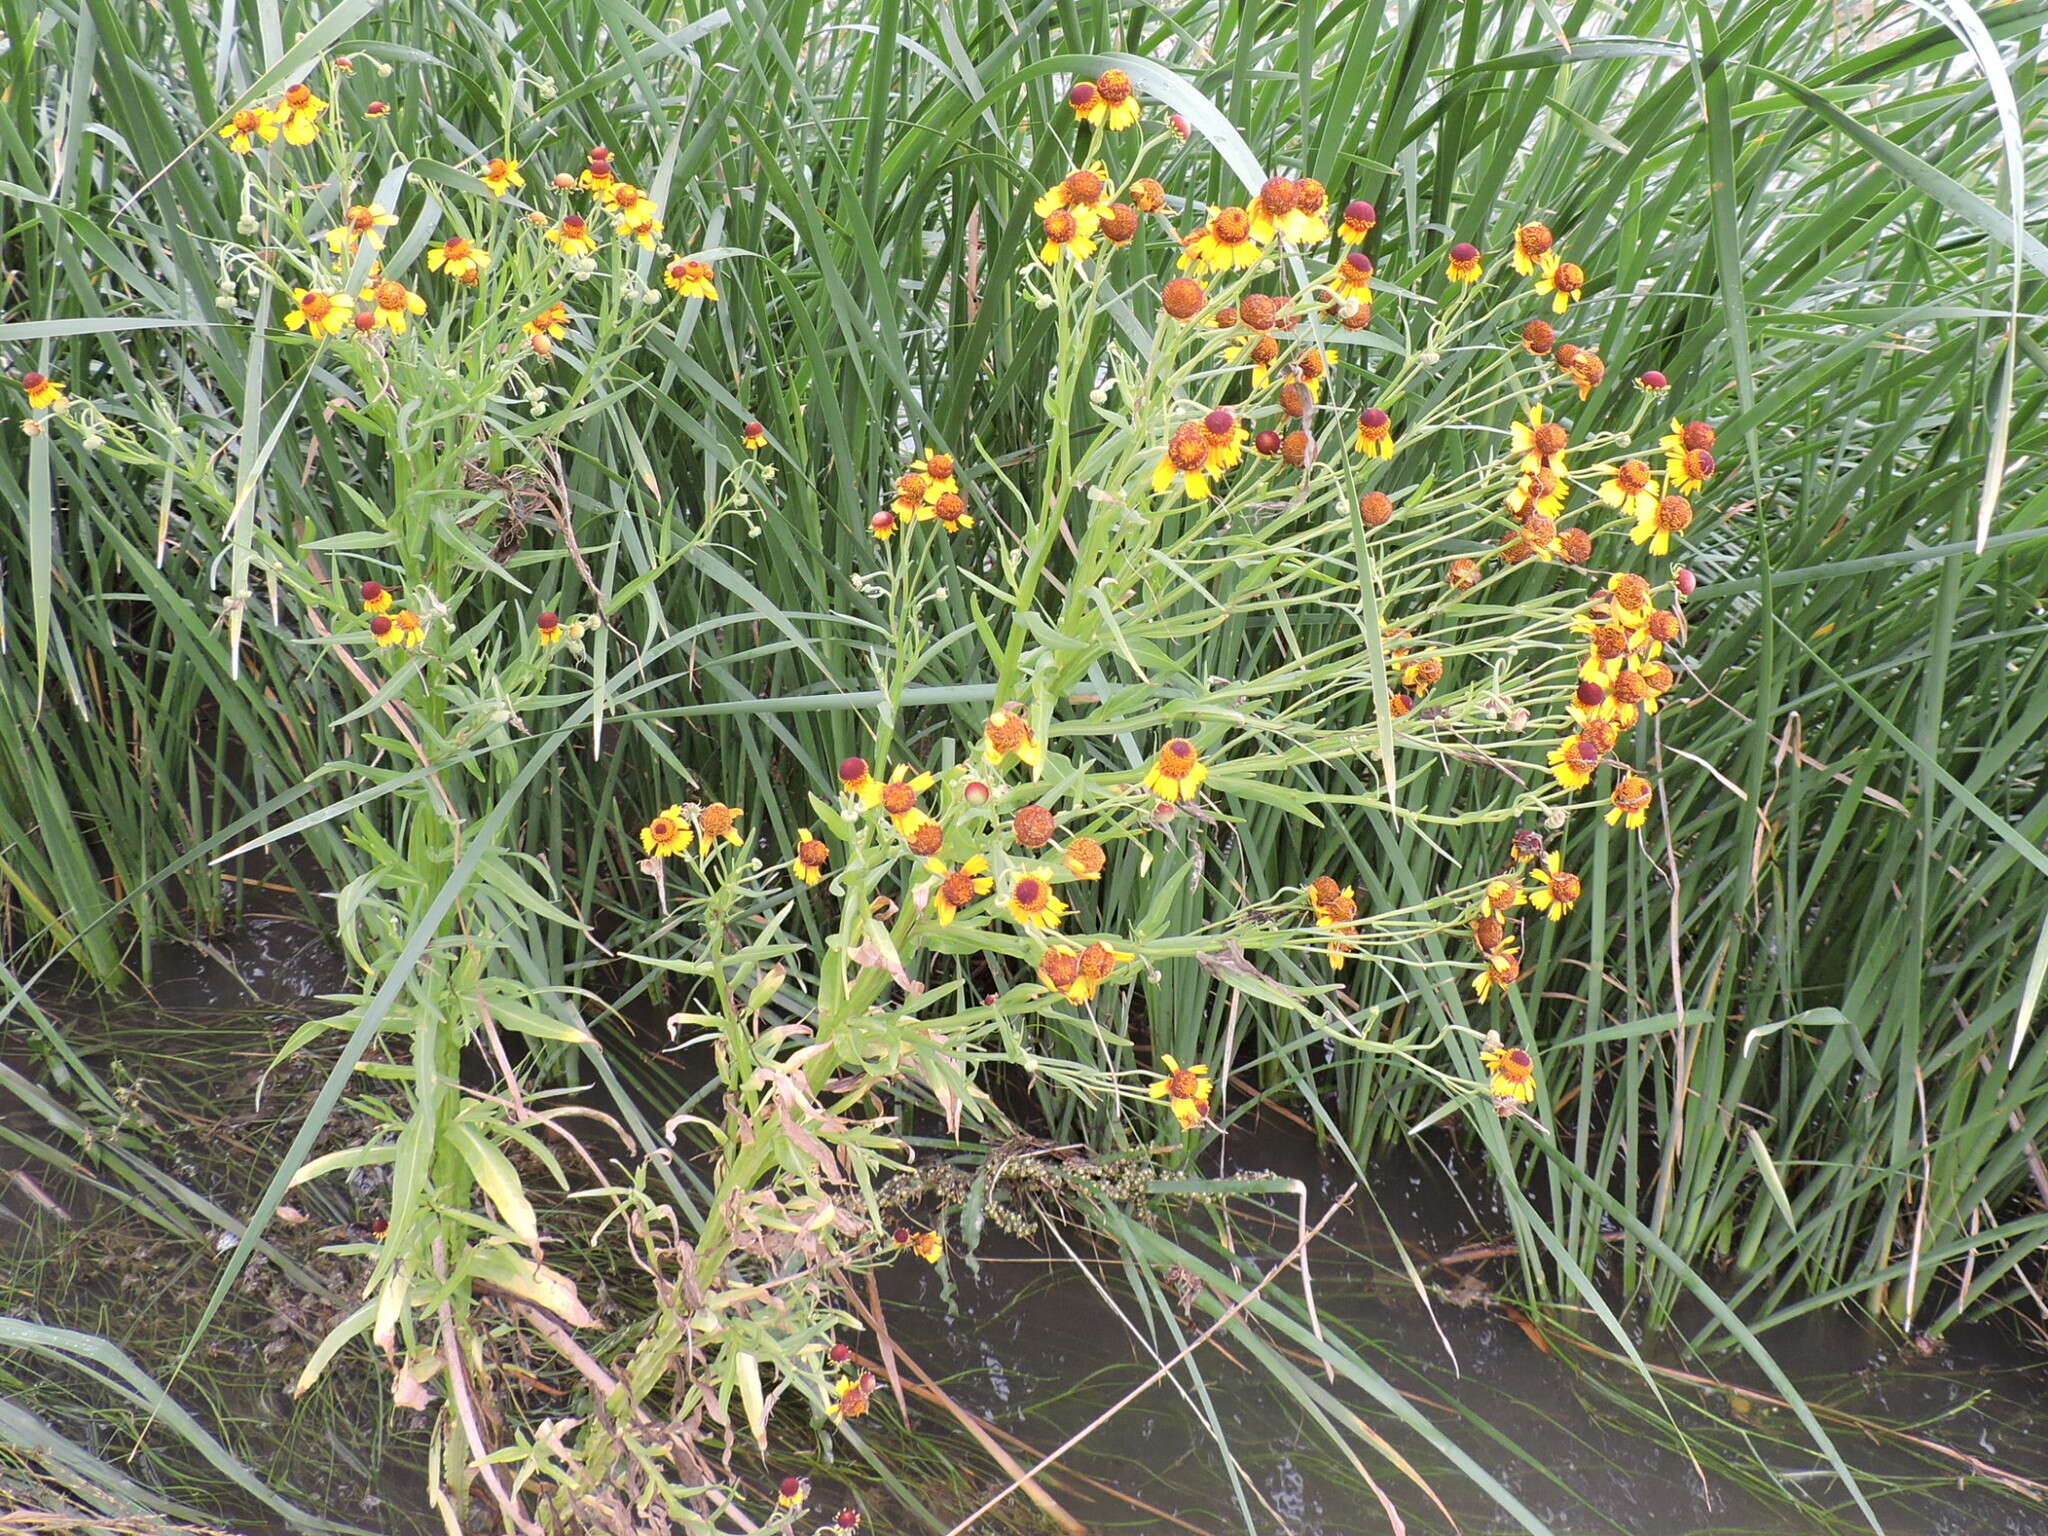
x=1421, y=675
x=1308, y=223
x=1119, y=224
x=636, y=214
x=459, y=258
x=599, y=179
x=691, y=279
x=1032, y=903
x=951, y=512
x=1375, y=436
x=1375, y=509
x=851, y=1394
x=847, y=1520
x=959, y=888
x=392, y=303
x=1180, y=126
x=1540, y=444
x=910, y=496
x=929, y=1246
x=1538, y=338
x=898, y=797
x=1565, y=281
x=1513, y=1072
x=1352, y=278
x=754, y=437
x=1627, y=488
x=548, y=628
x=1583, y=367
x=1183, y=298
x=572, y=236
x=1574, y=760
x=316, y=312
x=883, y=525
x=1503, y=894
x=1311, y=368
x=411, y=632
x=1660, y=524
x=548, y=327
x=1294, y=448
x=939, y=471
x=1574, y=545
x=1277, y=198
x=1224, y=244
x=1560, y=888
x=1463, y=574
x=1059, y=971
x=1099, y=960
x=42, y=390
x=1502, y=970
x=383, y=630
x=1465, y=266
x=1525, y=846
x=1085, y=194
x=376, y=597
x=1631, y=802
x=501, y=176
x=716, y=823
x=1178, y=773
x=247, y=126
x=360, y=224
x=1227, y=437
x=1538, y=491
x=1147, y=195
x=1342, y=914
x=811, y=857
x=1114, y=105
x=1007, y=734
x=926, y=840
x=793, y=1492
x=1084, y=858
x=377, y=109
x=300, y=112
x=1532, y=244
x=1187, y=459
x=667, y=834
x=1033, y=827
x=1186, y=1091
x=1065, y=235
x=1359, y=219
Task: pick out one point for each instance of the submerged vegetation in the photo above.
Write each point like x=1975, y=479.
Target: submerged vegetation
x=1018, y=594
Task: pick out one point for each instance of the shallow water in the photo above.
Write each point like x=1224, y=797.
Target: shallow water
x=1028, y=1343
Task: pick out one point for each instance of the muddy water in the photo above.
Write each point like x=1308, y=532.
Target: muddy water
x=1019, y=1335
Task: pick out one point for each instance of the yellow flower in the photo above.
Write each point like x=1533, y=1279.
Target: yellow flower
x=692, y=279
x=1307, y=223
x=793, y=1492
x=300, y=111
x=317, y=313
x=1358, y=222
x=854, y=779
x=754, y=437
x=599, y=180
x=1224, y=244
x=42, y=390
x=1375, y=436
x=1659, y=524
x=851, y=1396
x=1006, y=735
x=459, y=259
x=1631, y=799
x=1032, y=903
x=1465, y=266
x=1573, y=760
x=1086, y=194
x=1277, y=198
x=376, y=597
x=1539, y=490
x=572, y=236
x=811, y=855
x=1503, y=968
x=1178, y=773
x=1187, y=457
x=951, y=512
x=1564, y=279
x=959, y=888
x=667, y=835
x=898, y=797
x=1532, y=244
x=393, y=302
x=636, y=214
x=548, y=628
x=1513, y=1072
x=1540, y=444
x=1688, y=455
x=552, y=322
x=1186, y=1091
x=1627, y=488
x=406, y=629
x=361, y=223
x=929, y=1246
x=1561, y=888
x=717, y=823
x=1109, y=103
x=1065, y=235
x=247, y=126
x=1352, y=278
x=1084, y=858
x=501, y=176
x=939, y=471
x=1059, y=971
